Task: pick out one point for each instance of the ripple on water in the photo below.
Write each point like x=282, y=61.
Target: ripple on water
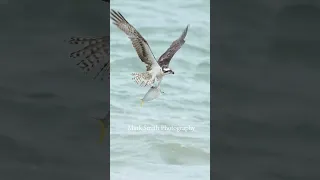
x=178, y=154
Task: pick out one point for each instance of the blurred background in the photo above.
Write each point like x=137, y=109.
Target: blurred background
x=265, y=59
x=46, y=129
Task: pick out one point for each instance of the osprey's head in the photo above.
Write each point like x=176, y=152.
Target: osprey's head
x=167, y=70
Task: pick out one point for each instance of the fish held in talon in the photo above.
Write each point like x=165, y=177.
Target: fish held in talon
x=153, y=93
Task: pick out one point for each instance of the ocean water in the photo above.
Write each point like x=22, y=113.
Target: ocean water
x=161, y=151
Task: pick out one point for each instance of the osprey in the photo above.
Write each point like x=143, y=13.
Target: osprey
x=154, y=69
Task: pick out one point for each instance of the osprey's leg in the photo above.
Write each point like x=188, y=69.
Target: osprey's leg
x=159, y=81
x=158, y=85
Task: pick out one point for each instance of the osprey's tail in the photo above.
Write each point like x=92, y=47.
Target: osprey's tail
x=143, y=79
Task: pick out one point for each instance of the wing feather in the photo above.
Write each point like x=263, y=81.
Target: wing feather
x=95, y=53
x=166, y=57
x=138, y=42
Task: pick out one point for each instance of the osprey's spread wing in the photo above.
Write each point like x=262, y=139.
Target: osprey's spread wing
x=165, y=58
x=139, y=43
x=95, y=53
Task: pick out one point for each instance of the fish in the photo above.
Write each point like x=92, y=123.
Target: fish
x=153, y=93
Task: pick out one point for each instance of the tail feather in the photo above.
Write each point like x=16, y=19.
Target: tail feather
x=144, y=78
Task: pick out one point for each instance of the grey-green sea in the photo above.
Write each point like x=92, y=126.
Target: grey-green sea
x=169, y=137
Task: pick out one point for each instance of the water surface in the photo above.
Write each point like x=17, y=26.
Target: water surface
x=160, y=151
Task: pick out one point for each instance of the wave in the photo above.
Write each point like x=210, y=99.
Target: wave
x=178, y=154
